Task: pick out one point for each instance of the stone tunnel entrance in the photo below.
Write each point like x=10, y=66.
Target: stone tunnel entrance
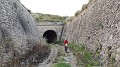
x=50, y=36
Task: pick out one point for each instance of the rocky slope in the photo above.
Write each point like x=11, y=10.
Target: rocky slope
x=17, y=29
x=98, y=27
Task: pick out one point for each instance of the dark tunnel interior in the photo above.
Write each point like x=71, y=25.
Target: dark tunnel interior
x=50, y=36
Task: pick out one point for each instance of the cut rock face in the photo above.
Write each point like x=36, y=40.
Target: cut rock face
x=98, y=27
x=17, y=28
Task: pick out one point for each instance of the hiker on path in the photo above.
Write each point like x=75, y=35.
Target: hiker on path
x=66, y=45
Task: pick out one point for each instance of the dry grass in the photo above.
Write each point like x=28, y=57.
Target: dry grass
x=31, y=58
x=35, y=55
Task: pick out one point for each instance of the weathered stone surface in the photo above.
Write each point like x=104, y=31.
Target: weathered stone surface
x=16, y=27
x=53, y=26
x=98, y=27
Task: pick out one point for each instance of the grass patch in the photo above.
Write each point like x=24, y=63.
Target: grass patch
x=62, y=64
x=84, y=56
x=76, y=48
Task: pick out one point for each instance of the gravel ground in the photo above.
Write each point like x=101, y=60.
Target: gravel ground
x=69, y=58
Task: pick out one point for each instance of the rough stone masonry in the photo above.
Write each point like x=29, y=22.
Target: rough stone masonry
x=98, y=27
x=17, y=27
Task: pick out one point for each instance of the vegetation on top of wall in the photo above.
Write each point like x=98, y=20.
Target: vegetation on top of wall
x=77, y=13
x=69, y=19
x=84, y=7
x=39, y=17
x=29, y=10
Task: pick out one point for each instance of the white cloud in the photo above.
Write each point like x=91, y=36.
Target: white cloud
x=58, y=7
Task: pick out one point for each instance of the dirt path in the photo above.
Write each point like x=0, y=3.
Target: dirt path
x=48, y=62
x=69, y=58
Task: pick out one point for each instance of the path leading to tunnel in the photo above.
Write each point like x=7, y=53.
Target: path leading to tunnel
x=57, y=52
x=49, y=61
x=69, y=58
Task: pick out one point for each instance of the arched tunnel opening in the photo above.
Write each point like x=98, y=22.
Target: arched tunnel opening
x=50, y=36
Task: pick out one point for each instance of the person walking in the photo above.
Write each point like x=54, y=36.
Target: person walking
x=66, y=45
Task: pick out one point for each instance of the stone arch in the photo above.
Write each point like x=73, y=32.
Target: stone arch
x=50, y=36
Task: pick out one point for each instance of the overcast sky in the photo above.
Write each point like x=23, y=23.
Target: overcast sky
x=57, y=7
